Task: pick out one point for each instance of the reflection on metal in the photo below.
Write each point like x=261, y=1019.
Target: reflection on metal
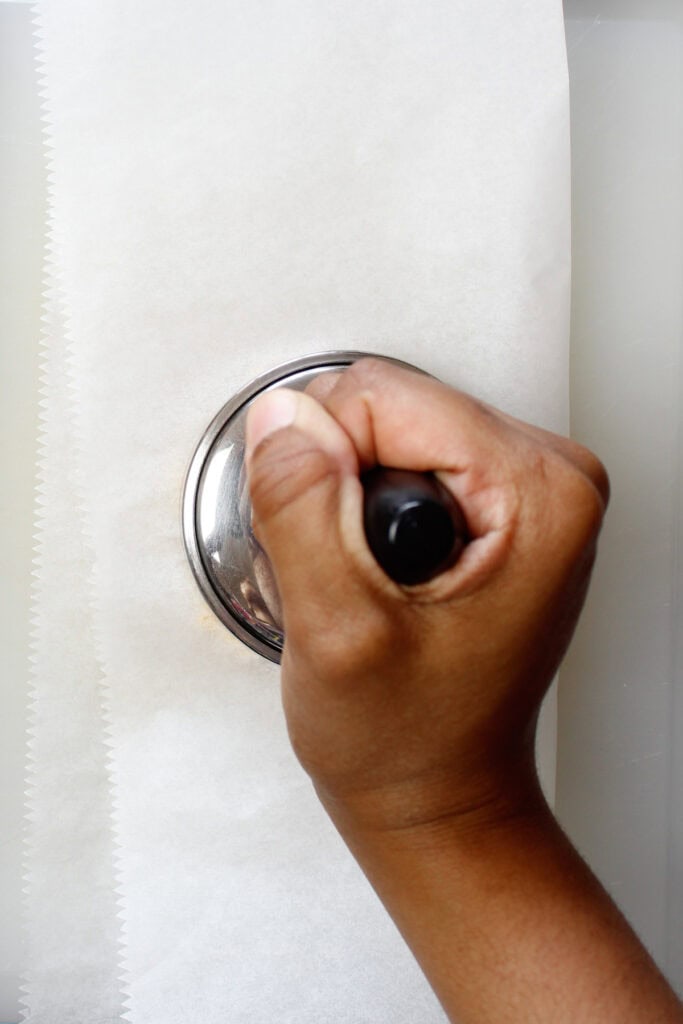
x=232, y=570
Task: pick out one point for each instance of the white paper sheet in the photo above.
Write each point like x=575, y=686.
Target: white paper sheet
x=236, y=185
x=71, y=913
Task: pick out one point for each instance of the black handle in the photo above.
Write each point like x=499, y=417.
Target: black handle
x=413, y=524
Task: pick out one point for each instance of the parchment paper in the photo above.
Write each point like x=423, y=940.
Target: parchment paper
x=236, y=185
x=71, y=913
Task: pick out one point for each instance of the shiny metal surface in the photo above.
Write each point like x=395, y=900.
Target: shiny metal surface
x=232, y=570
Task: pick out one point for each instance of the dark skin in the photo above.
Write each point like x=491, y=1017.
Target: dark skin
x=414, y=710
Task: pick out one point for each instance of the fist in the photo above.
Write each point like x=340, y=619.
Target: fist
x=408, y=705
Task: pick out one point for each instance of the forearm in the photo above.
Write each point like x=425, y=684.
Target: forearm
x=412, y=708
x=509, y=925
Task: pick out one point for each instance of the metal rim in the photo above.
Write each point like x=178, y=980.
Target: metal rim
x=278, y=375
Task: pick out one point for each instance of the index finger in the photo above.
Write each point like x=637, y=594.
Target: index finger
x=407, y=419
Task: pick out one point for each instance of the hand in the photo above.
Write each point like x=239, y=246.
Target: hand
x=414, y=709
x=406, y=705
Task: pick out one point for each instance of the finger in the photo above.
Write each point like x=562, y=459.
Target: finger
x=307, y=500
x=410, y=421
x=284, y=408
x=406, y=419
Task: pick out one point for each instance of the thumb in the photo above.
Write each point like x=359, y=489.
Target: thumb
x=302, y=469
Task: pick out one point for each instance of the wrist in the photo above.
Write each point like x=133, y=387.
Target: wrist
x=442, y=807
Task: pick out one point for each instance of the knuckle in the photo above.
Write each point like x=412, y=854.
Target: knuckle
x=374, y=373
x=577, y=502
x=561, y=506
x=587, y=462
x=367, y=375
x=597, y=473
x=366, y=371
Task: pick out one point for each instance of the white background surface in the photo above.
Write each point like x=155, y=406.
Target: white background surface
x=620, y=789
x=22, y=216
x=620, y=773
